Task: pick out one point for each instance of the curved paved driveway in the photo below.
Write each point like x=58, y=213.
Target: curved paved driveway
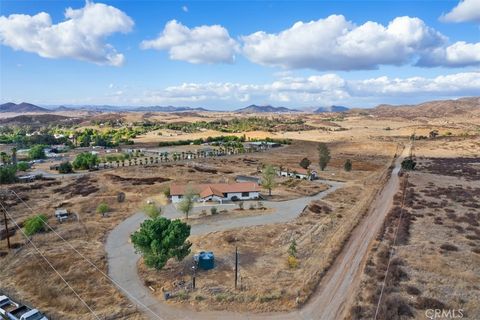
x=329, y=300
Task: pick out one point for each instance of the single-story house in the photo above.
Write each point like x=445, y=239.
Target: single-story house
x=256, y=180
x=298, y=173
x=217, y=191
x=261, y=145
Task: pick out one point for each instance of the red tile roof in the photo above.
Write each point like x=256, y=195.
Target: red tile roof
x=205, y=190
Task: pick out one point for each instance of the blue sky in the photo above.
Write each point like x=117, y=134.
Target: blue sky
x=223, y=55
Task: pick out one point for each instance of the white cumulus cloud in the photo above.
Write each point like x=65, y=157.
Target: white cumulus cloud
x=203, y=44
x=81, y=36
x=466, y=10
x=334, y=43
x=466, y=83
x=323, y=89
x=459, y=54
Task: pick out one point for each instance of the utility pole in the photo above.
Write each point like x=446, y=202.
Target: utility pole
x=6, y=228
x=236, y=266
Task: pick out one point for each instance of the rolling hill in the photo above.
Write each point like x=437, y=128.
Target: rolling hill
x=264, y=109
x=431, y=109
x=331, y=109
x=22, y=108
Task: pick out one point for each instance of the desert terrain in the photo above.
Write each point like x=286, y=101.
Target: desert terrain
x=436, y=257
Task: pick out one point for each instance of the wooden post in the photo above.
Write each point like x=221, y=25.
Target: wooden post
x=236, y=266
x=6, y=228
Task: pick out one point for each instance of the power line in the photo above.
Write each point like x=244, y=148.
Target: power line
x=393, y=244
x=50, y=264
x=91, y=263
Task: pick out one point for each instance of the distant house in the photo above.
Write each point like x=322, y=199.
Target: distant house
x=298, y=173
x=256, y=180
x=261, y=145
x=217, y=191
x=27, y=178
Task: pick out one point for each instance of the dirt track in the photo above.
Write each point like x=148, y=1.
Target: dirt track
x=330, y=301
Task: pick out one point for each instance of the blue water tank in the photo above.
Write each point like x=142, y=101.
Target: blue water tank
x=206, y=260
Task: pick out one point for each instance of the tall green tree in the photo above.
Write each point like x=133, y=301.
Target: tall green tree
x=323, y=155
x=85, y=161
x=188, y=200
x=7, y=174
x=305, y=163
x=268, y=178
x=37, y=152
x=161, y=239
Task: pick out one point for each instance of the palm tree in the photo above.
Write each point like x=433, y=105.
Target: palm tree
x=14, y=156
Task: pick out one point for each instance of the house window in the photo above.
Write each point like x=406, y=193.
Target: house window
x=245, y=194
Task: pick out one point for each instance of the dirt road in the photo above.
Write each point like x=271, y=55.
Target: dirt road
x=330, y=300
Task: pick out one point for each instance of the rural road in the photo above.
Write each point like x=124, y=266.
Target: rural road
x=329, y=300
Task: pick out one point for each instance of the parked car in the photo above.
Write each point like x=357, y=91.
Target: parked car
x=11, y=310
x=7, y=305
x=62, y=214
x=25, y=313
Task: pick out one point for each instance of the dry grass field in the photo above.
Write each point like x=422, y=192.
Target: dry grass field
x=268, y=282
x=447, y=274
x=436, y=262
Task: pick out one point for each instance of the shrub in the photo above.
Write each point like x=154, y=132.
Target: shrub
x=37, y=152
x=448, y=247
x=429, y=303
x=305, y=163
x=408, y=164
x=65, y=167
x=35, y=224
x=414, y=291
x=240, y=205
x=269, y=297
x=224, y=297
x=292, y=262
x=166, y=192
x=182, y=295
x=292, y=249
x=22, y=166
x=252, y=206
x=152, y=210
x=103, y=208
x=120, y=197
x=347, y=165
x=213, y=210
x=7, y=174
x=85, y=161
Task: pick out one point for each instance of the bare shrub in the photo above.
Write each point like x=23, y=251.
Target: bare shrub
x=429, y=303
x=448, y=247
x=414, y=291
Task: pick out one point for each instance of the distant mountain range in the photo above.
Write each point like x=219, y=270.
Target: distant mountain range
x=331, y=109
x=21, y=108
x=431, y=109
x=264, y=109
x=166, y=109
